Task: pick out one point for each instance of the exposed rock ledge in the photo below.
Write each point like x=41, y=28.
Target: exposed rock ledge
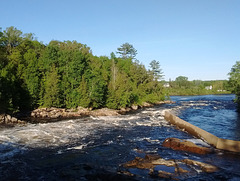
x=53, y=114
x=58, y=113
x=170, y=169
x=6, y=119
x=184, y=145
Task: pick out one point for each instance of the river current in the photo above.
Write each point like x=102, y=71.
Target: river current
x=216, y=114
x=95, y=148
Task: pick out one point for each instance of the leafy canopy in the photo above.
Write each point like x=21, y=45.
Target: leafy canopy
x=67, y=74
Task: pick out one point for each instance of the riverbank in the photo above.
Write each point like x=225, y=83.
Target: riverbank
x=45, y=115
x=200, y=94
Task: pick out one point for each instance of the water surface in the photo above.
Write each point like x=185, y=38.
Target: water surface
x=216, y=114
x=95, y=148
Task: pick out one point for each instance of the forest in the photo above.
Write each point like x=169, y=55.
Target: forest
x=67, y=75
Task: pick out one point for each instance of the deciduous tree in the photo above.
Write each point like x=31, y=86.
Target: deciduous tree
x=234, y=80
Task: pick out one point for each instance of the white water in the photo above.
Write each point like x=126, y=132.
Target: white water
x=18, y=139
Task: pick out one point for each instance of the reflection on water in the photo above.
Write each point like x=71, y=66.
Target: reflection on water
x=96, y=147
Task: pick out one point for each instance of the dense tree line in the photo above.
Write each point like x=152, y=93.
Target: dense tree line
x=234, y=82
x=67, y=75
x=182, y=86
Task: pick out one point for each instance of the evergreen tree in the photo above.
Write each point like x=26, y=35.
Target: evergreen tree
x=127, y=51
x=83, y=98
x=52, y=96
x=156, y=70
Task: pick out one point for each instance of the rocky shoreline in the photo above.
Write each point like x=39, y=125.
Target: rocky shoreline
x=44, y=115
x=6, y=119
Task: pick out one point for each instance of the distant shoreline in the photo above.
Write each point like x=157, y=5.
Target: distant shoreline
x=200, y=94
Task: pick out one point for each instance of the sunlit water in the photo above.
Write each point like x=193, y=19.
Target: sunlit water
x=83, y=149
x=214, y=113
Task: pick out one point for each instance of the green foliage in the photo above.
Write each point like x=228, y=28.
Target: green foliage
x=234, y=81
x=127, y=51
x=182, y=81
x=181, y=86
x=156, y=70
x=11, y=38
x=83, y=94
x=32, y=76
x=66, y=74
x=52, y=97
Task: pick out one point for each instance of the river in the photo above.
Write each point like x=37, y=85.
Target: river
x=216, y=114
x=95, y=148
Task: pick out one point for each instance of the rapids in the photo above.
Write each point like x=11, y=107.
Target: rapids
x=95, y=148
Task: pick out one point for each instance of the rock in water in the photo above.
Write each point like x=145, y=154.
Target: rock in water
x=170, y=169
x=204, y=166
x=184, y=145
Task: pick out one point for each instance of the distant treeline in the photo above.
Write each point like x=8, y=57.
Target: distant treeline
x=67, y=75
x=181, y=86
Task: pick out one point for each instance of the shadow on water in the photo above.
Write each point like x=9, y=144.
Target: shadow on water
x=47, y=164
x=104, y=154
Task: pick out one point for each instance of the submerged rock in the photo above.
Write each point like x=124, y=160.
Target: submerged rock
x=204, y=166
x=184, y=145
x=171, y=169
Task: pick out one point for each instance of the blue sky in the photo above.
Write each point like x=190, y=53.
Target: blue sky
x=199, y=39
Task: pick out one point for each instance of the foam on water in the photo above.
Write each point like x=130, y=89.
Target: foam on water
x=66, y=132
x=72, y=149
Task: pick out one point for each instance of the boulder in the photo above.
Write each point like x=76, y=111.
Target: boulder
x=140, y=163
x=124, y=110
x=184, y=145
x=2, y=118
x=171, y=169
x=104, y=112
x=54, y=113
x=146, y=104
x=6, y=119
x=83, y=111
x=204, y=166
x=134, y=107
x=149, y=162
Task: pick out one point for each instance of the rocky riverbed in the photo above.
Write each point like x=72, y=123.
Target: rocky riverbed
x=44, y=115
